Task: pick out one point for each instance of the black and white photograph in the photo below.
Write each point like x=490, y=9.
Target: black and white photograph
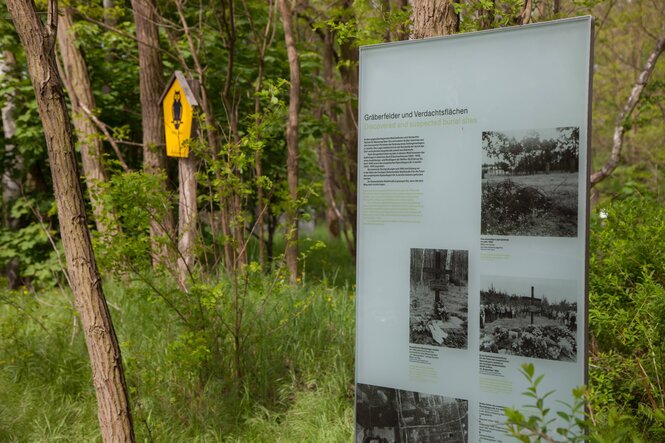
x=534, y=318
x=388, y=415
x=439, y=297
x=530, y=182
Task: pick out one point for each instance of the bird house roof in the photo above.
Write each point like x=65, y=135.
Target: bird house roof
x=184, y=84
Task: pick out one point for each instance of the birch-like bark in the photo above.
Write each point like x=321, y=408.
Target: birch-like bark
x=38, y=41
x=293, y=154
x=622, y=118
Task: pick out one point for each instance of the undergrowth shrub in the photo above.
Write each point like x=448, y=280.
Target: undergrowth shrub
x=626, y=313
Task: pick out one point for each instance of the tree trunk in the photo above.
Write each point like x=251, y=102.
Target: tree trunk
x=11, y=187
x=151, y=85
x=89, y=139
x=293, y=154
x=105, y=359
x=326, y=161
x=433, y=18
x=258, y=170
x=213, y=139
x=347, y=160
x=231, y=104
x=262, y=40
x=187, y=219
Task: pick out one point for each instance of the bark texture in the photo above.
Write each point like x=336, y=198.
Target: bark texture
x=38, y=41
x=151, y=86
x=89, y=139
x=629, y=107
x=433, y=18
x=187, y=220
x=293, y=153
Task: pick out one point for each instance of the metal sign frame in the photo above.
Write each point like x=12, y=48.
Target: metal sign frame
x=431, y=114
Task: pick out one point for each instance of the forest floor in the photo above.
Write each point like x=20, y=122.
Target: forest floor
x=423, y=312
x=543, y=205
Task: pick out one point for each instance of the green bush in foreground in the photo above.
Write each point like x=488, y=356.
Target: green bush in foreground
x=627, y=315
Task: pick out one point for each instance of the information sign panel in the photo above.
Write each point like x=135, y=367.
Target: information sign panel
x=472, y=228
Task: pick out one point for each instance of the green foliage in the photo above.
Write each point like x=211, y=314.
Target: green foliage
x=42, y=364
x=626, y=399
x=34, y=246
x=627, y=307
x=297, y=365
x=488, y=14
x=542, y=425
x=246, y=357
x=133, y=199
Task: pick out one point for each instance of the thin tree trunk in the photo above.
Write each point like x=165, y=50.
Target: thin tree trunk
x=110, y=22
x=258, y=170
x=231, y=106
x=347, y=161
x=213, y=139
x=187, y=219
x=433, y=18
x=105, y=360
x=151, y=85
x=11, y=187
x=293, y=154
x=109, y=18
x=262, y=41
x=89, y=139
x=334, y=218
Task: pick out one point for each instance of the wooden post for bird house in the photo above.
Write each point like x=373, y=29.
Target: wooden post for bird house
x=179, y=103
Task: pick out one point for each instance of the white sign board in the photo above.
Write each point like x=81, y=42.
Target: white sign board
x=472, y=228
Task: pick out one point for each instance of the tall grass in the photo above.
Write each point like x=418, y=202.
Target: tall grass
x=297, y=361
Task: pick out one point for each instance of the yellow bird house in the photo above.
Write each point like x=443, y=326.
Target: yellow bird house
x=178, y=102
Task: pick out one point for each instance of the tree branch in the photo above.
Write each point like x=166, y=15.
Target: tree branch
x=102, y=127
x=622, y=118
x=124, y=34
